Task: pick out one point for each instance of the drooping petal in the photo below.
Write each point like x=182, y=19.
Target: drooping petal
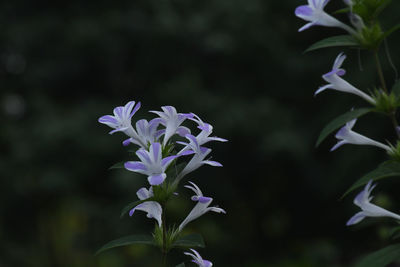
x=157, y=179
x=152, y=208
x=358, y=217
x=322, y=88
x=212, y=163
x=338, y=144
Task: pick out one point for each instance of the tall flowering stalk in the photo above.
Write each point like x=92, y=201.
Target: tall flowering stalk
x=365, y=33
x=165, y=158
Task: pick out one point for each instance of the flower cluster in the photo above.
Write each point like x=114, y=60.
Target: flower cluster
x=161, y=143
x=368, y=37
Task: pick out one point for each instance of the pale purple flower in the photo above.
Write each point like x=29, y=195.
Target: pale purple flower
x=152, y=164
x=199, y=153
x=200, y=208
x=147, y=133
x=121, y=121
x=315, y=14
x=368, y=209
x=339, y=84
x=152, y=208
x=198, y=259
x=347, y=136
x=172, y=122
x=206, y=129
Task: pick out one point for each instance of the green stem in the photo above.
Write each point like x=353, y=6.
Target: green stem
x=392, y=115
x=164, y=233
x=380, y=73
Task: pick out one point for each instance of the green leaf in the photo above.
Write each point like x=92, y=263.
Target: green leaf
x=132, y=205
x=181, y=265
x=339, y=40
x=381, y=257
x=119, y=165
x=192, y=240
x=386, y=169
x=342, y=11
x=390, y=31
x=128, y=240
x=395, y=233
x=396, y=88
x=340, y=121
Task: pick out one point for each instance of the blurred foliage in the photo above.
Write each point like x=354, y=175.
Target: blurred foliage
x=238, y=65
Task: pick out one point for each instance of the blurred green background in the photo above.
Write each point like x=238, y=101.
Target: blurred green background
x=240, y=66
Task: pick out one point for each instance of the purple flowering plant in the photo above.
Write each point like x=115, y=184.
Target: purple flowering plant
x=166, y=152
x=363, y=31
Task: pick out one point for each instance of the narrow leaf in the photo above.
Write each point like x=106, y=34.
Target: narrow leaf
x=395, y=233
x=387, y=169
x=340, y=121
x=128, y=240
x=396, y=88
x=119, y=165
x=381, y=257
x=390, y=31
x=192, y=240
x=339, y=40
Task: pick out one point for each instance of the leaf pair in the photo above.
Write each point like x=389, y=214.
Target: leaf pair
x=188, y=241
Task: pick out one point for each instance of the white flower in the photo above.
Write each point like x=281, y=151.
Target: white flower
x=315, y=14
x=199, y=153
x=172, y=122
x=201, y=206
x=368, y=209
x=198, y=259
x=339, y=84
x=147, y=133
x=152, y=164
x=206, y=129
x=347, y=136
x=152, y=208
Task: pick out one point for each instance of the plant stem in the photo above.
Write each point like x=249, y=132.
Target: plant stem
x=164, y=233
x=380, y=73
x=392, y=115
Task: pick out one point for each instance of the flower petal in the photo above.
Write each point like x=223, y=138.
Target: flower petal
x=358, y=217
x=157, y=179
x=135, y=166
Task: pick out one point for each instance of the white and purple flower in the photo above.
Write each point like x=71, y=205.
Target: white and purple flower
x=198, y=259
x=315, y=14
x=347, y=136
x=121, y=121
x=172, y=122
x=152, y=208
x=199, y=153
x=152, y=164
x=339, y=84
x=201, y=207
x=206, y=129
x=147, y=133
x=368, y=209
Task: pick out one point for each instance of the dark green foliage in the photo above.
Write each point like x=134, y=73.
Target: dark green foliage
x=127, y=241
x=381, y=257
x=384, y=170
x=340, y=40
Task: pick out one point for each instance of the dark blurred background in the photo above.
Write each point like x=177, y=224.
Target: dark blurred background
x=240, y=66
